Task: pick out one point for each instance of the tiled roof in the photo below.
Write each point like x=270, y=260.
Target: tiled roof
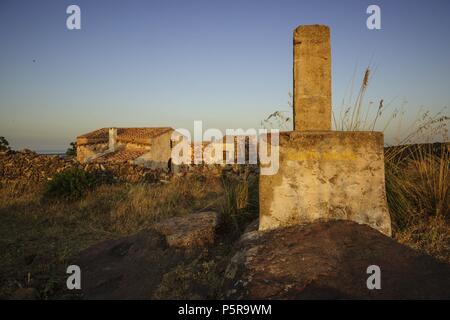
x=132, y=135
x=97, y=134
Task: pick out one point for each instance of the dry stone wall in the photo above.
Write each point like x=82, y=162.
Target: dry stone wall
x=31, y=168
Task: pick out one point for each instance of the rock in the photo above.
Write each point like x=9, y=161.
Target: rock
x=127, y=268
x=194, y=230
x=329, y=260
x=133, y=267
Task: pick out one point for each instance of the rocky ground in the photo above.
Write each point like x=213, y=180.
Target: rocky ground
x=324, y=260
x=177, y=258
x=329, y=260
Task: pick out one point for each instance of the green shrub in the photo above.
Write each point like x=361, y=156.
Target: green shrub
x=70, y=184
x=4, y=144
x=72, y=151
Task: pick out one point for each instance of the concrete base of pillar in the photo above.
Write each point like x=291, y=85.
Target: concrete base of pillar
x=326, y=175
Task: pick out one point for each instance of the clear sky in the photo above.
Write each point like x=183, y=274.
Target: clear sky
x=228, y=63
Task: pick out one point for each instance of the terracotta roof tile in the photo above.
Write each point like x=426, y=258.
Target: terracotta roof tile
x=136, y=135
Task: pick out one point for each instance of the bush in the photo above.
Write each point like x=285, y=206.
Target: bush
x=72, y=151
x=4, y=144
x=70, y=184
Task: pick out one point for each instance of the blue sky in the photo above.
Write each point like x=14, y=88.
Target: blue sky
x=228, y=63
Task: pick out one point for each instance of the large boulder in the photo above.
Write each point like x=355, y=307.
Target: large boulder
x=329, y=260
x=127, y=268
x=133, y=267
x=194, y=230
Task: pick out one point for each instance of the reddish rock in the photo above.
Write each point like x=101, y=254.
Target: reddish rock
x=133, y=267
x=127, y=268
x=329, y=260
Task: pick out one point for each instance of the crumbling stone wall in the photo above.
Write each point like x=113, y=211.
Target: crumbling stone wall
x=88, y=151
x=159, y=153
x=31, y=168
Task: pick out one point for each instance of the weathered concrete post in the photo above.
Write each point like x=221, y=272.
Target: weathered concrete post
x=322, y=174
x=312, y=78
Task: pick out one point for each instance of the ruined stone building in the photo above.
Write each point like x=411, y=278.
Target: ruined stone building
x=152, y=148
x=235, y=149
x=149, y=147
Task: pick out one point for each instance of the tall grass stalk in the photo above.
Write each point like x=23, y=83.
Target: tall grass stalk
x=239, y=201
x=417, y=172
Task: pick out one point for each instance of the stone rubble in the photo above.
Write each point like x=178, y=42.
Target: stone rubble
x=29, y=167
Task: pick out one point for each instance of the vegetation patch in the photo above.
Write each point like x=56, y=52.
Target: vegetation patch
x=70, y=184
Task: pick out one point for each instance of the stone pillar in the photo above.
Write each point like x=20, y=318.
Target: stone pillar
x=322, y=174
x=112, y=145
x=312, y=78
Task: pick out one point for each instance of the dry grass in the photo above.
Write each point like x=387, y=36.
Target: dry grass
x=146, y=204
x=417, y=173
x=430, y=235
x=352, y=118
x=418, y=185
x=197, y=279
x=430, y=186
x=240, y=202
x=38, y=238
x=357, y=115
